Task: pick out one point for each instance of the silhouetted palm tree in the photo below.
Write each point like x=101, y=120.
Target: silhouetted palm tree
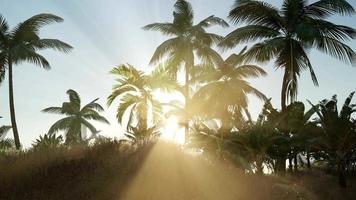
x=21, y=44
x=187, y=41
x=76, y=117
x=134, y=89
x=225, y=95
x=288, y=33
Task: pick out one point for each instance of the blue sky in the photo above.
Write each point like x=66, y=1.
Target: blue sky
x=107, y=33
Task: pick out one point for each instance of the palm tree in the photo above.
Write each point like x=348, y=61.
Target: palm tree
x=288, y=33
x=225, y=94
x=22, y=44
x=5, y=143
x=187, y=41
x=76, y=117
x=134, y=89
x=337, y=142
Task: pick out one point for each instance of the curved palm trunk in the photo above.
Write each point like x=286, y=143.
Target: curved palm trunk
x=12, y=107
x=186, y=97
x=188, y=64
x=308, y=160
x=290, y=66
x=342, y=175
x=284, y=91
x=295, y=162
x=144, y=117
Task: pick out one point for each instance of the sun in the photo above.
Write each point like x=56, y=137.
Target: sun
x=171, y=131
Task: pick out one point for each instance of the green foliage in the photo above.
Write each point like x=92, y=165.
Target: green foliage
x=135, y=91
x=47, y=142
x=286, y=35
x=215, y=98
x=21, y=44
x=5, y=143
x=81, y=172
x=76, y=117
x=337, y=142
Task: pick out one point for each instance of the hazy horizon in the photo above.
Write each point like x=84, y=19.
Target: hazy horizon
x=107, y=34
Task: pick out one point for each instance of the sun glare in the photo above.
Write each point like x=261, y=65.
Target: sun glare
x=172, y=131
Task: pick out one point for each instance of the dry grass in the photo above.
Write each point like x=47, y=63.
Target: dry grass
x=156, y=171
x=77, y=173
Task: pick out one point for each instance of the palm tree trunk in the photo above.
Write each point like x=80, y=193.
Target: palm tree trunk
x=290, y=162
x=281, y=164
x=342, y=175
x=12, y=107
x=295, y=162
x=308, y=159
x=284, y=91
x=145, y=116
x=188, y=64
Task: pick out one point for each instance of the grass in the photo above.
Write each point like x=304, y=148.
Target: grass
x=150, y=170
x=76, y=173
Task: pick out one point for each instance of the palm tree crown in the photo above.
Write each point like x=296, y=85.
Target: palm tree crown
x=134, y=88
x=225, y=94
x=187, y=41
x=21, y=44
x=288, y=33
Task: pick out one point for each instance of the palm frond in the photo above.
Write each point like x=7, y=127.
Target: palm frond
x=55, y=44
x=211, y=21
x=93, y=105
x=164, y=28
x=28, y=30
x=96, y=117
x=120, y=91
x=24, y=53
x=125, y=103
x=165, y=48
x=248, y=34
x=62, y=124
x=54, y=110
x=4, y=27
x=3, y=131
x=73, y=96
x=255, y=13
x=265, y=51
x=336, y=49
x=325, y=8
x=183, y=11
x=89, y=126
x=249, y=71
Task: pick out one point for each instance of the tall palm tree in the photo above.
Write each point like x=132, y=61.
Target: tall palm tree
x=21, y=44
x=187, y=41
x=134, y=89
x=287, y=34
x=225, y=94
x=76, y=117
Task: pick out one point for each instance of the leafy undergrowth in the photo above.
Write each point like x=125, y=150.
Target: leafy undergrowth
x=153, y=170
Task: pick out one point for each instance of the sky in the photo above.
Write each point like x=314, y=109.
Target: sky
x=107, y=33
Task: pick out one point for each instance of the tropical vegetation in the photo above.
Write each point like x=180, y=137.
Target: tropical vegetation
x=288, y=143
x=77, y=118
